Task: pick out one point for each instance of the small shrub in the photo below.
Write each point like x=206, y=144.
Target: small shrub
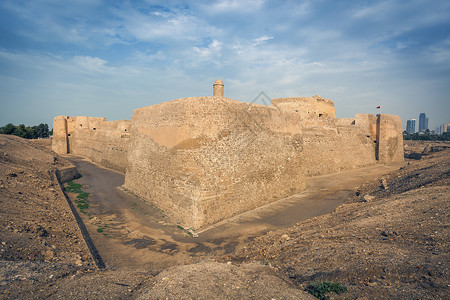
x=321, y=288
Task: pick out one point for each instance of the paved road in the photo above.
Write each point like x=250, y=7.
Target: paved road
x=135, y=235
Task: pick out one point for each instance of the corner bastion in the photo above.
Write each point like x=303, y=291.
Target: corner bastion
x=204, y=159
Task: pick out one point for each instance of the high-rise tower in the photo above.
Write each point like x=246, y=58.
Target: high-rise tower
x=423, y=122
x=411, y=126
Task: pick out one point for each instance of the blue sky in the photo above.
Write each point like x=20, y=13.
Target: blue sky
x=106, y=58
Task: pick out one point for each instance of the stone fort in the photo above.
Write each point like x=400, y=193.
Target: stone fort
x=204, y=159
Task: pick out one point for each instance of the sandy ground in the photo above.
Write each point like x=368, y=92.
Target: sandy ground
x=135, y=235
x=389, y=240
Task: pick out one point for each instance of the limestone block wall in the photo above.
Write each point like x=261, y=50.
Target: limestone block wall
x=345, y=121
x=59, y=139
x=205, y=159
x=327, y=151
x=389, y=139
x=104, y=142
x=330, y=145
x=66, y=174
x=368, y=124
x=314, y=111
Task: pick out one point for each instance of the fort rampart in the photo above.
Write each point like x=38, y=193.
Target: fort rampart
x=204, y=159
x=104, y=142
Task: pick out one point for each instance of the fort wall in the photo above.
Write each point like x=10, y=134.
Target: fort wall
x=327, y=151
x=330, y=145
x=104, y=142
x=389, y=139
x=204, y=159
x=59, y=140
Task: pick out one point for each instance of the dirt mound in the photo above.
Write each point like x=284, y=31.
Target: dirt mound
x=388, y=241
x=212, y=280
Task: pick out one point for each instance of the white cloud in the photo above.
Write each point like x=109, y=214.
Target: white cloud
x=262, y=39
x=223, y=6
x=174, y=26
x=213, y=49
x=90, y=63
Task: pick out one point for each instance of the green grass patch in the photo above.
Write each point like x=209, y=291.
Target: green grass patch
x=102, y=228
x=73, y=187
x=81, y=199
x=83, y=196
x=319, y=289
x=82, y=205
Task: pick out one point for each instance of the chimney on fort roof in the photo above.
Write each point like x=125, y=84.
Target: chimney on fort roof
x=218, y=88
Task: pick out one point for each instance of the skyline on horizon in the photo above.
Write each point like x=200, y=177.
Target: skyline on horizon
x=104, y=59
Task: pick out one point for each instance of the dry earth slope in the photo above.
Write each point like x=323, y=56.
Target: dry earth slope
x=390, y=241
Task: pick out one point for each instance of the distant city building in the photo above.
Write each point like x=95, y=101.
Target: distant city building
x=443, y=128
x=423, y=122
x=411, y=126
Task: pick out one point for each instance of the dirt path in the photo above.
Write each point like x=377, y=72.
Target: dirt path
x=130, y=234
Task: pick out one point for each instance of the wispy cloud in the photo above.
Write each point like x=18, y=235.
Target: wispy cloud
x=263, y=39
x=90, y=63
x=226, y=6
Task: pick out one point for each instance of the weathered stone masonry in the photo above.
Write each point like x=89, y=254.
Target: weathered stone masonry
x=105, y=142
x=204, y=159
